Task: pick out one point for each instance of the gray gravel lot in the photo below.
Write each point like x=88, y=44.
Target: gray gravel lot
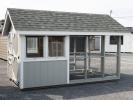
x=115, y=90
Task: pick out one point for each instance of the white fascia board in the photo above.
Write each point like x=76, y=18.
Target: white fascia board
x=14, y=31
x=4, y=23
x=8, y=14
x=64, y=33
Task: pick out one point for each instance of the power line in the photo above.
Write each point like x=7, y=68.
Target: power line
x=124, y=17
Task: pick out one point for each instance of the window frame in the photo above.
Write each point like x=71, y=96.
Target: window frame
x=115, y=42
x=34, y=49
x=62, y=56
x=40, y=46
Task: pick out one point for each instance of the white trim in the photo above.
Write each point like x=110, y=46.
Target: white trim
x=64, y=33
x=35, y=58
x=46, y=46
x=22, y=55
x=24, y=48
x=41, y=59
x=45, y=55
x=95, y=79
x=12, y=23
x=67, y=45
x=4, y=23
x=100, y=43
x=8, y=14
x=19, y=55
x=87, y=50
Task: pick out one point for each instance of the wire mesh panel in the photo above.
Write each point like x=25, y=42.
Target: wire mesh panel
x=95, y=65
x=77, y=67
x=92, y=62
x=110, y=63
x=95, y=60
x=78, y=59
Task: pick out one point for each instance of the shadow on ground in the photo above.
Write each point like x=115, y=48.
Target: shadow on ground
x=68, y=92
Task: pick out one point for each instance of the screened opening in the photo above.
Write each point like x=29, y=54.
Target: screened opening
x=91, y=62
x=56, y=46
x=113, y=40
x=80, y=44
x=34, y=46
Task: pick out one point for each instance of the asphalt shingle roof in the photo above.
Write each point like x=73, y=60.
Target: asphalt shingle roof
x=39, y=20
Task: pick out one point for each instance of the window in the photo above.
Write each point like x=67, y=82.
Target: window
x=34, y=46
x=113, y=39
x=56, y=46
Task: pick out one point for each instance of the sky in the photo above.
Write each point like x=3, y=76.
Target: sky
x=122, y=10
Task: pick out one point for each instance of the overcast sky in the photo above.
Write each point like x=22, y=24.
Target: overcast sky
x=122, y=10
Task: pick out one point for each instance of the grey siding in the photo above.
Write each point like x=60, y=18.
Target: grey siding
x=45, y=73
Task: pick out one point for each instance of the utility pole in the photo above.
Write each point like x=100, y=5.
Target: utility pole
x=111, y=12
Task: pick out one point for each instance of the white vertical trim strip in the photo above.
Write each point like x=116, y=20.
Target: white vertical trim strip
x=67, y=48
x=19, y=54
x=100, y=44
x=22, y=42
x=46, y=47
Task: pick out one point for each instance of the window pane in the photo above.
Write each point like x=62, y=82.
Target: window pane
x=113, y=40
x=56, y=46
x=34, y=46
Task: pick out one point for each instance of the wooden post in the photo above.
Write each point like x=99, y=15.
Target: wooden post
x=118, y=56
x=86, y=57
x=89, y=51
x=74, y=53
x=102, y=54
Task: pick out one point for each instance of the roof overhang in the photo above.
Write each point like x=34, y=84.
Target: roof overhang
x=41, y=20
x=8, y=21
x=69, y=33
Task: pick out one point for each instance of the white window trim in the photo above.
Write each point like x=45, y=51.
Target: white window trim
x=56, y=57
x=46, y=56
x=32, y=50
x=29, y=59
x=22, y=40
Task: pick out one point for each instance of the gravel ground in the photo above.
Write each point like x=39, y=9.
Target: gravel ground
x=115, y=90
